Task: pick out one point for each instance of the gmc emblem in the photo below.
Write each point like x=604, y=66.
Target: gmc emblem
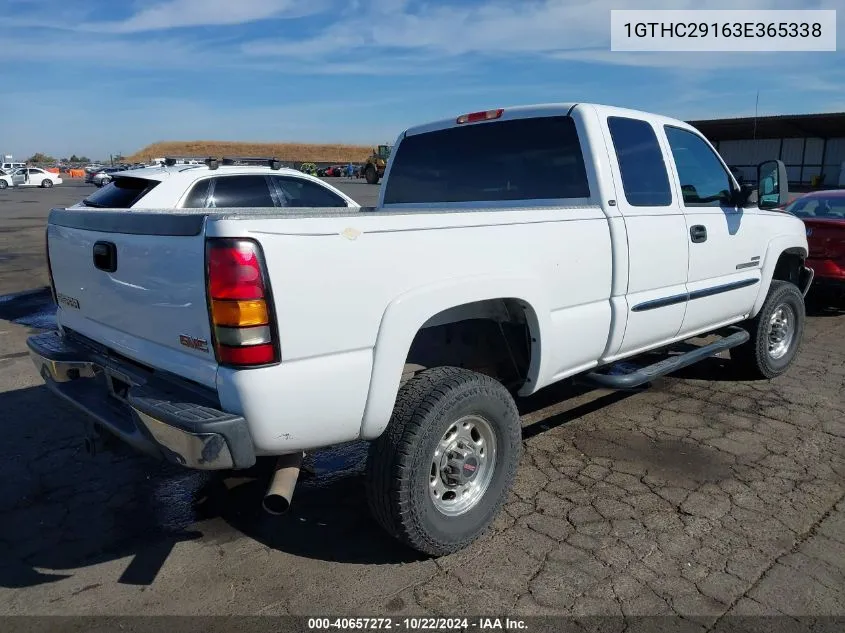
x=193, y=343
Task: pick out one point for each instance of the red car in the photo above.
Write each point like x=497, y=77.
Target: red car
x=823, y=213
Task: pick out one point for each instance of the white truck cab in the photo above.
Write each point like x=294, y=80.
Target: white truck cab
x=511, y=249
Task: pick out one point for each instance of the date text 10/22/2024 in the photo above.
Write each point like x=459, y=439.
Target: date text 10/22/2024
x=418, y=624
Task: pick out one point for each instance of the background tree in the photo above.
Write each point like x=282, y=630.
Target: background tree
x=38, y=157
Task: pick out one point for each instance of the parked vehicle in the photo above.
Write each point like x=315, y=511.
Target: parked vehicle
x=35, y=177
x=823, y=213
x=5, y=180
x=104, y=176
x=335, y=171
x=9, y=167
x=511, y=249
x=211, y=185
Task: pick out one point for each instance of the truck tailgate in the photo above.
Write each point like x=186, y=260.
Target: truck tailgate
x=138, y=288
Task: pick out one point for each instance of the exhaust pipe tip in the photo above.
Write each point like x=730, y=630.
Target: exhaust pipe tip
x=279, y=494
x=275, y=504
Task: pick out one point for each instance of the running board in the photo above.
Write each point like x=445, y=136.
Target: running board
x=639, y=377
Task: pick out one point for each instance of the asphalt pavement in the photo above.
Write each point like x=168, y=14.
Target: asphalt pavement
x=702, y=496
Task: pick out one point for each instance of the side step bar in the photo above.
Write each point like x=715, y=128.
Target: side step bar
x=734, y=336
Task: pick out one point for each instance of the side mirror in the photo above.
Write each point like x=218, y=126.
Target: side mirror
x=772, y=184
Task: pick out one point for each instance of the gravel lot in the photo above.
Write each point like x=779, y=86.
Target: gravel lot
x=702, y=496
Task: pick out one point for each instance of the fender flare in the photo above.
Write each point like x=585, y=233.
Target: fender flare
x=406, y=314
x=776, y=247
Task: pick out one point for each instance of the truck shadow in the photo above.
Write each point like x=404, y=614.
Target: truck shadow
x=821, y=306
x=64, y=509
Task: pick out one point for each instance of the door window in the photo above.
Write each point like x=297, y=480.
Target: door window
x=196, y=197
x=704, y=180
x=644, y=178
x=240, y=191
x=296, y=192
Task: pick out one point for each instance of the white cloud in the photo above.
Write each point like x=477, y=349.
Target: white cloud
x=571, y=30
x=173, y=14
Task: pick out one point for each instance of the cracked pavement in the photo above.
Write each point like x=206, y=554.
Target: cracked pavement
x=699, y=497
x=702, y=497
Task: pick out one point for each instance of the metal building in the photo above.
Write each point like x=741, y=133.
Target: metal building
x=811, y=145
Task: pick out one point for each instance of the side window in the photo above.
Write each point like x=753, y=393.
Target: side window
x=240, y=191
x=297, y=192
x=644, y=177
x=196, y=197
x=704, y=181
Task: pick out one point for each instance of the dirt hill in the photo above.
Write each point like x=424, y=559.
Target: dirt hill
x=294, y=152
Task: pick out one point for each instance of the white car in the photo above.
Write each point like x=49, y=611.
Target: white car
x=10, y=167
x=35, y=177
x=5, y=179
x=511, y=249
x=214, y=186
x=104, y=176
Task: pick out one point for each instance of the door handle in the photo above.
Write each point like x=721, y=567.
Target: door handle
x=698, y=233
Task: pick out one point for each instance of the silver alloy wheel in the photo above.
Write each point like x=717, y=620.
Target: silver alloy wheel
x=781, y=331
x=462, y=465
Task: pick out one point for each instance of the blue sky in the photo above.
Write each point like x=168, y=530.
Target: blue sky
x=101, y=76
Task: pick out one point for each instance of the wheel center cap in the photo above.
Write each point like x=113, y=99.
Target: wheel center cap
x=461, y=469
x=469, y=468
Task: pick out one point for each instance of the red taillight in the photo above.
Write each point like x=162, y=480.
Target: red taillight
x=250, y=355
x=239, y=304
x=234, y=271
x=485, y=115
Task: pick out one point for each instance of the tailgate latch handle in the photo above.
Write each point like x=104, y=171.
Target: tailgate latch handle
x=105, y=256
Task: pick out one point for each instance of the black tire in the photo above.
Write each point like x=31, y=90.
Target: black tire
x=371, y=175
x=46, y=183
x=399, y=467
x=3, y=184
x=754, y=360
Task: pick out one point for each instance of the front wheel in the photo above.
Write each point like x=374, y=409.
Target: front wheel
x=371, y=175
x=776, y=334
x=440, y=472
x=3, y=184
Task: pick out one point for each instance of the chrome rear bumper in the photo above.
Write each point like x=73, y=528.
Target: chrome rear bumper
x=160, y=415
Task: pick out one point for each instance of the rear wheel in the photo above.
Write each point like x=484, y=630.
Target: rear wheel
x=776, y=334
x=46, y=183
x=440, y=472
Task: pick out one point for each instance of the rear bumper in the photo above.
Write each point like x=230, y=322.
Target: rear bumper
x=830, y=284
x=161, y=416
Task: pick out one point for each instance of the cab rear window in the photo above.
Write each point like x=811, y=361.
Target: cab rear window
x=120, y=193
x=537, y=158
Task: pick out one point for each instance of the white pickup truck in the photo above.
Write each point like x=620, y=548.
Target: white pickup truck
x=510, y=249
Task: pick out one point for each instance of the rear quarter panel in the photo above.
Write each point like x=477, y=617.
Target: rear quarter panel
x=351, y=292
